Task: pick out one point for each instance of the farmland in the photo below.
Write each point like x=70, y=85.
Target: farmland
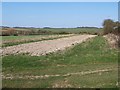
x=90, y=64
x=39, y=34
x=60, y=45
x=78, y=66
x=67, y=30
x=76, y=30
x=49, y=31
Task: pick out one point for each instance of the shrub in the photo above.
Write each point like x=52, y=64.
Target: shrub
x=63, y=32
x=112, y=27
x=108, y=26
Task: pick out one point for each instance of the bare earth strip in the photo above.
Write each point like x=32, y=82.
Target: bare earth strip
x=44, y=47
x=36, y=38
x=9, y=76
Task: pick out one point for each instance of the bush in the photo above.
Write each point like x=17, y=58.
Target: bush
x=62, y=32
x=108, y=26
x=112, y=27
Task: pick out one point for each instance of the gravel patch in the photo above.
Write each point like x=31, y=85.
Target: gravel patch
x=45, y=47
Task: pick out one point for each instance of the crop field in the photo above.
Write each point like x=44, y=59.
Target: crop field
x=90, y=64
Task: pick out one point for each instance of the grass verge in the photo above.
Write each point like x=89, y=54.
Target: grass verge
x=91, y=55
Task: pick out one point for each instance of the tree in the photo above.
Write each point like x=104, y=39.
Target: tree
x=108, y=26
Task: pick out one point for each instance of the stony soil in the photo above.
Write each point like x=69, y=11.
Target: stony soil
x=45, y=47
x=34, y=39
x=112, y=40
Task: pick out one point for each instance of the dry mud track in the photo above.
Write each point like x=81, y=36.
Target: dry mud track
x=10, y=76
x=45, y=47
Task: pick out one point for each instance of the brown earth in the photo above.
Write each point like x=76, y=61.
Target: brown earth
x=112, y=40
x=45, y=47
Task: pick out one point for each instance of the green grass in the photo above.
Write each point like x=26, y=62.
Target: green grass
x=74, y=30
x=70, y=30
x=4, y=38
x=91, y=55
x=67, y=29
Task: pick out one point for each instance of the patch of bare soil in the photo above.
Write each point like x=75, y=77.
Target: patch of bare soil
x=62, y=84
x=34, y=39
x=112, y=40
x=45, y=47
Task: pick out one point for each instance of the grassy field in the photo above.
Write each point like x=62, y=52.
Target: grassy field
x=75, y=30
x=90, y=64
x=5, y=38
x=70, y=30
x=67, y=30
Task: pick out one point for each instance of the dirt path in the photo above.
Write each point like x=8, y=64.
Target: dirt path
x=10, y=76
x=44, y=47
